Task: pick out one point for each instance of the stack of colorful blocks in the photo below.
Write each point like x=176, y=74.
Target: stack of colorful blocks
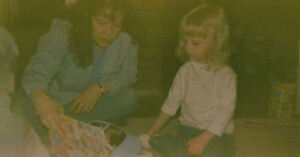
x=283, y=99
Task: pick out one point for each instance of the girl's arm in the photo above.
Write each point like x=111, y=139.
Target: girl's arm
x=159, y=123
x=197, y=145
x=171, y=104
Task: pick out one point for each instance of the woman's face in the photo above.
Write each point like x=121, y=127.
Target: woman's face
x=106, y=30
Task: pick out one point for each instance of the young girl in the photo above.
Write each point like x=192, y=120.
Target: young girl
x=204, y=87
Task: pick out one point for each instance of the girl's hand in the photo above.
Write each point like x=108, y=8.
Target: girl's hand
x=49, y=112
x=145, y=140
x=197, y=145
x=86, y=100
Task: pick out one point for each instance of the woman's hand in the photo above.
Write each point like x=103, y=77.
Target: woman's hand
x=50, y=112
x=197, y=145
x=86, y=100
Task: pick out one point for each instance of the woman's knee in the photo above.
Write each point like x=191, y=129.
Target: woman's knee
x=125, y=101
x=129, y=98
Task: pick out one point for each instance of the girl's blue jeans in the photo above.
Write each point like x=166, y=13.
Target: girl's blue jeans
x=175, y=146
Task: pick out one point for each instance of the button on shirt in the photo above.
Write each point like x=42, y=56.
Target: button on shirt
x=207, y=97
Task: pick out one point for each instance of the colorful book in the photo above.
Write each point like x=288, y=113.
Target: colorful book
x=85, y=140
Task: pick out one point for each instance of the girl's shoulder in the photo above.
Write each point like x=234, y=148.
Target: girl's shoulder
x=185, y=66
x=226, y=71
x=194, y=65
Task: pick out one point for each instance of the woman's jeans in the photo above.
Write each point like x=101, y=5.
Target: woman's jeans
x=120, y=104
x=112, y=106
x=175, y=146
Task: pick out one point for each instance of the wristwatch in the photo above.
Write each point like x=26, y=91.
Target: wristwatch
x=102, y=90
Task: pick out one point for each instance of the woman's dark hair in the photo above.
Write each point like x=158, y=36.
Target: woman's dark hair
x=80, y=39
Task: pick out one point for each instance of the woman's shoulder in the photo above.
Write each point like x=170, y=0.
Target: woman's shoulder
x=57, y=34
x=122, y=42
x=124, y=38
x=124, y=35
x=59, y=29
x=59, y=25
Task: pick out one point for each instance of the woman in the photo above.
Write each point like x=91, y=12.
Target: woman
x=84, y=66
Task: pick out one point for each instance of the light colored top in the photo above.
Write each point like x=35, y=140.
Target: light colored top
x=54, y=70
x=17, y=139
x=207, y=98
x=8, y=65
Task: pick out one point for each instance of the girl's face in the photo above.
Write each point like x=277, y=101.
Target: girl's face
x=195, y=47
x=106, y=30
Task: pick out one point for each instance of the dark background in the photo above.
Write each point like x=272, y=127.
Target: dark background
x=264, y=41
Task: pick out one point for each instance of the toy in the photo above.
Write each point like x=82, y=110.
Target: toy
x=120, y=143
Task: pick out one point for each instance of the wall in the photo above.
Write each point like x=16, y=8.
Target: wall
x=298, y=85
x=264, y=44
x=151, y=52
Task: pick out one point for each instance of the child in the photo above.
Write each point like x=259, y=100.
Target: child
x=204, y=87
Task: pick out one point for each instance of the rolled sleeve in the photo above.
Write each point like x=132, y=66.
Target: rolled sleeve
x=175, y=95
x=227, y=89
x=45, y=64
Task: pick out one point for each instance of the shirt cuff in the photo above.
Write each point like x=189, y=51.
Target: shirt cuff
x=168, y=109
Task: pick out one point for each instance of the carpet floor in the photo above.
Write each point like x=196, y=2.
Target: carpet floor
x=254, y=137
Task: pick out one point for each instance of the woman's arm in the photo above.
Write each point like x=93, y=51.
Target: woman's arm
x=39, y=73
x=46, y=63
x=126, y=76
x=49, y=112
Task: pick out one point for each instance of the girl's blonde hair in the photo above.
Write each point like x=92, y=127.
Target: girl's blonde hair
x=209, y=22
